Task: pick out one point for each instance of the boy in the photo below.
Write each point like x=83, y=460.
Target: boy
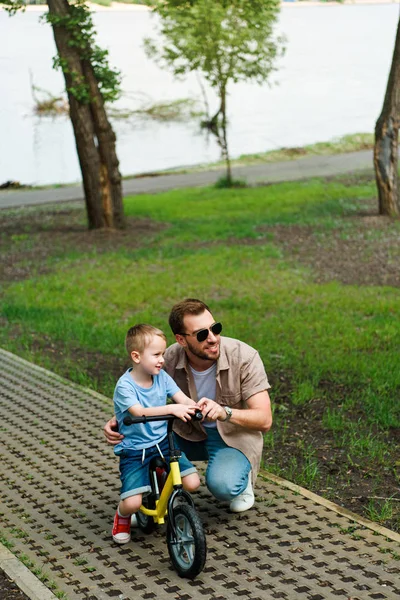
x=143, y=391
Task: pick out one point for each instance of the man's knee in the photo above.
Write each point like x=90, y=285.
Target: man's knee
x=224, y=488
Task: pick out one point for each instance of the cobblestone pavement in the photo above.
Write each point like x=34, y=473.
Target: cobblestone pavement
x=59, y=491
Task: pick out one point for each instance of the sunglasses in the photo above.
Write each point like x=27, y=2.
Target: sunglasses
x=202, y=335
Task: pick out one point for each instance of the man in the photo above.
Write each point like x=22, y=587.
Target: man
x=230, y=377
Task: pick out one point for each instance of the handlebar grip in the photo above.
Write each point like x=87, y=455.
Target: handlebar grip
x=130, y=420
x=198, y=415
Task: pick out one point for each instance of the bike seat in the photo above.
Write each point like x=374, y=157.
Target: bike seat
x=157, y=461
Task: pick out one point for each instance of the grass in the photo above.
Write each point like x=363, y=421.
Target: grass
x=331, y=350
x=380, y=511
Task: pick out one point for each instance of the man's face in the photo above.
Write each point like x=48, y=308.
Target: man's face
x=209, y=349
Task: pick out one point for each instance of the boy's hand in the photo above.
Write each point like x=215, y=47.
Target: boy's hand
x=183, y=411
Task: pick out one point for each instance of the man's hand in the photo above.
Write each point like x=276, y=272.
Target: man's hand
x=111, y=433
x=211, y=410
x=256, y=416
x=183, y=411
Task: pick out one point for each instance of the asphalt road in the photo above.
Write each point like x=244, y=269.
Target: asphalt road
x=302, y=168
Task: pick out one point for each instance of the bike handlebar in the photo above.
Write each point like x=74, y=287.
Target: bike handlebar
x=130, y=420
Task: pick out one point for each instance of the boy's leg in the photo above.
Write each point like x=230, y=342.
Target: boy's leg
x=134, y=483
x=191, y=482
x=121, y=531
x=130, y=505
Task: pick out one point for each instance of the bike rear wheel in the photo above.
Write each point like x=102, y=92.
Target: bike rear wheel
x=188, y=551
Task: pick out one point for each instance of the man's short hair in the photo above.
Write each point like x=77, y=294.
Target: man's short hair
x=190, y=306
x=139, y=336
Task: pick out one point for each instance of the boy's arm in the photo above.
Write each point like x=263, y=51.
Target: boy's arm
x=183, y=411
x=181, y=398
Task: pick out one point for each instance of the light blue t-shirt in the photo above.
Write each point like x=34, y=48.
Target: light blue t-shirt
x=127, y=393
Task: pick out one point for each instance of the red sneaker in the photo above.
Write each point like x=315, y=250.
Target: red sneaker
x=121, y=532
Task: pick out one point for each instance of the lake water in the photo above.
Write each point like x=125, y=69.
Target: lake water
x=330, y=82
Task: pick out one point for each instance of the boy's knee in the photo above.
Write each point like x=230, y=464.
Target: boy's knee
x=131, y=504
x=191, y=482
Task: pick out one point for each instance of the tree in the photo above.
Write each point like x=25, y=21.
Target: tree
x=89, y=82
x=226, y=41
x=386, y=140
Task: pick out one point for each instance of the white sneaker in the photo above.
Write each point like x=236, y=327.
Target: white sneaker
x=245, y=500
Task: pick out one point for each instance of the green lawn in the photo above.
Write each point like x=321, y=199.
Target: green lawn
x=324, y=345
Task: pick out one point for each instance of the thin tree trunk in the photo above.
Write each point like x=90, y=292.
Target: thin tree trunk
x=386, y=140
x=225, y=136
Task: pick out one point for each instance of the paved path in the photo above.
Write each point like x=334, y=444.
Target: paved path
x=59, y=491
x=303, y=168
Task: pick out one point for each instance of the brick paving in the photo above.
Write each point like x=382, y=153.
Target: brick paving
x=59, y=491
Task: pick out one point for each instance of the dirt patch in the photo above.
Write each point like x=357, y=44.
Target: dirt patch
x=31, y=237
x=363, y=250
x=9, y=589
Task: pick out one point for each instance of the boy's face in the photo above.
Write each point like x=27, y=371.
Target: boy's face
x=151, y=359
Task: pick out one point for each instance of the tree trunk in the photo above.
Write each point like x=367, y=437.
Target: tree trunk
x=225, y=136
x=94, y=136
x=111, y=177
x=386, y=140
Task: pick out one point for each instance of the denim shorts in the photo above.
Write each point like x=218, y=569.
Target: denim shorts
x=134, y=468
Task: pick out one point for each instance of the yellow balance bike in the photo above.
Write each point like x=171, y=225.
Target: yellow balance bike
x=168, y=500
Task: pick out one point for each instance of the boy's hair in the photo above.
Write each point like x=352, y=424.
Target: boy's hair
x=190, y=306
x=139, y=336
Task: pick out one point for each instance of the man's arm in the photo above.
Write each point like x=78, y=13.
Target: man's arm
x=111, y=432
x=257, y=416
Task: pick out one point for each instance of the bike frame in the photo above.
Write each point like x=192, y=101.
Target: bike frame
x=173, y=480
x=173, y=484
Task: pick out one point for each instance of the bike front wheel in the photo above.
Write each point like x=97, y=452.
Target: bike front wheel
x=188, y=551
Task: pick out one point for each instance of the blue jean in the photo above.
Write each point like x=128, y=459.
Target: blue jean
x=228, y=469
x=134, y=468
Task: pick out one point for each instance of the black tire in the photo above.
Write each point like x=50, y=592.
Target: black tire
x=146, y=523
x=188, y=555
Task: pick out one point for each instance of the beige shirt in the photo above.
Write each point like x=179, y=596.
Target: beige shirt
x=240, y=375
